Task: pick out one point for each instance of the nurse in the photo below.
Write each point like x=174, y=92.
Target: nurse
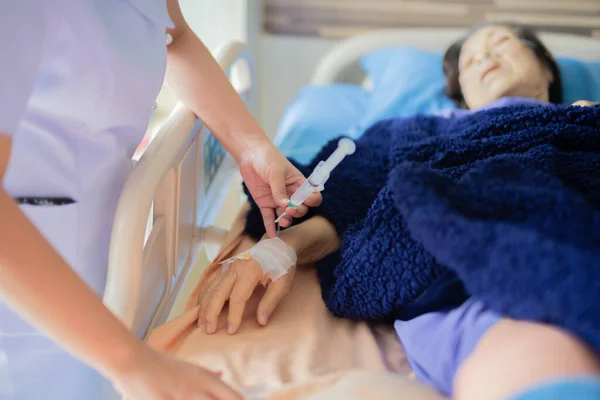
x=77, y=81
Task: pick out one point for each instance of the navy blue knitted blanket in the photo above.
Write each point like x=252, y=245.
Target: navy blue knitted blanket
x=502, y=205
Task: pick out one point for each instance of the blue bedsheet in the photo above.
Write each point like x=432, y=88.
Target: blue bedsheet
x=502, y=205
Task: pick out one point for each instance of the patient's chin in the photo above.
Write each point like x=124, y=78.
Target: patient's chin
x=500, y=87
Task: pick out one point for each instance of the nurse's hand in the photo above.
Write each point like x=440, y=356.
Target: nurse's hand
x=158, y=376
x=235, y=284
x=272, y=180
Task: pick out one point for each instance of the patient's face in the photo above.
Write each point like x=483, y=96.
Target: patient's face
x=495, y=63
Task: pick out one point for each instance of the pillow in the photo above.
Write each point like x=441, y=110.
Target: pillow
x=406, y=81
x=581, y=80
x=318, y=114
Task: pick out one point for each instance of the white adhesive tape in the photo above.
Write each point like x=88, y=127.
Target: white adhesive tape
x=274, y=256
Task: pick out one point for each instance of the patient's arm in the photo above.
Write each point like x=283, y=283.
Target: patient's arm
x=311, y=240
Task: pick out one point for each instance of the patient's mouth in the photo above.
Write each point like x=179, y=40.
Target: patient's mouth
x=487, y=70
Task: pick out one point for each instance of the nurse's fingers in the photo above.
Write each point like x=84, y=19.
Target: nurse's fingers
x=268, y=215
x=273, y=295
x=297, y=212
x=203, y=397
x=223, y=392
x=215, y=388
x=243, y=289
x=314, y=200
x=286, y=220
x=218, y=296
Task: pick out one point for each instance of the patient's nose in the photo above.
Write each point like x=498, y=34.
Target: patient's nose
x=485, y=57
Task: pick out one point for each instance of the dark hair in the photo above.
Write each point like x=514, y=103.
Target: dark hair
x=450, y=65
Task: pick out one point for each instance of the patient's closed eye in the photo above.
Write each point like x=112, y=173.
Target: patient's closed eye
x=466, y=62
x=499, y=39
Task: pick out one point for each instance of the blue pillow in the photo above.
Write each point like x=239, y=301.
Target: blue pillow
x=317, y=115
x=406, y=81
x=581, y=80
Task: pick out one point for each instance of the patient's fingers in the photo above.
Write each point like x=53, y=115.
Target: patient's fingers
x=273, y=295
x=243, y=289
x=218, y=296
x=208, y=285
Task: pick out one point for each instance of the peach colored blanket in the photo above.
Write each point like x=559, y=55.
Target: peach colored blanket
x=303, y=350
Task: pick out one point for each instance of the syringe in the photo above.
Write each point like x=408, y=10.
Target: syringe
x=320, y=175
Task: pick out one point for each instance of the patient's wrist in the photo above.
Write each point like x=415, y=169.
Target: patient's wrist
x=312, y=240
x=274, y=256
x=289, y=239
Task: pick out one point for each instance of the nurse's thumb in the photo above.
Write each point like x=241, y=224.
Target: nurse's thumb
x=278, y=188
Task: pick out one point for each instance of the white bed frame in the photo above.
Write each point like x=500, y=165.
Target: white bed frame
x=149, y=262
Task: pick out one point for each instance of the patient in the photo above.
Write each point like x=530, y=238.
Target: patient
x=453, y=341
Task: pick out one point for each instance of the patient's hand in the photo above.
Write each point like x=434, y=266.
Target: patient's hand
x=236, y=283
x=584, y=103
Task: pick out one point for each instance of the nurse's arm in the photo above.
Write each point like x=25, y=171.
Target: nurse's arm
x=201, y=84
x=39, y=285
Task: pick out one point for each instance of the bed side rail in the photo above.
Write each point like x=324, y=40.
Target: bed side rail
x=168, y=205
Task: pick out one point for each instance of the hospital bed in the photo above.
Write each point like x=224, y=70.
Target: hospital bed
x=182, y=178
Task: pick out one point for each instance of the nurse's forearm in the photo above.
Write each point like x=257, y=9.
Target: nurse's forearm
x=37, y=283
x=201, y=84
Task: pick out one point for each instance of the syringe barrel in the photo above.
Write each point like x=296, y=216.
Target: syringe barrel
x=302, y=193
x=321, y=174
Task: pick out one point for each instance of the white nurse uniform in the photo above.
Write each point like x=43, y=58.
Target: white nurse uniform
x=77, y=81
